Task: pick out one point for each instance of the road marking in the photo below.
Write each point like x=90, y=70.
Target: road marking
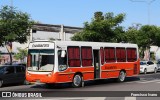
x=157, y=82
x=149, y=81
x=132, y=82
x=96, y=98
x=145, y=81
x=130, y=98
x=83, y=98
x=147, y=74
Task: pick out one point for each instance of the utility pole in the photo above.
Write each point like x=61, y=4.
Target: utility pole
x=148, y=2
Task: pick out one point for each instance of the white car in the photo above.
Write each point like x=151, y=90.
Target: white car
x=147, y=66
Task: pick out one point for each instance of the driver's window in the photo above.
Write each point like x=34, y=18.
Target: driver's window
x=62, y=57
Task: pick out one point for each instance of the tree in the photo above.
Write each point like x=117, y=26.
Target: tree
x=144, y=36
x=102, y=28
x=22, y=53
x=14, y=26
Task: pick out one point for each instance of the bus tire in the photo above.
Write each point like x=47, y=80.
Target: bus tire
x=77, y=81
x=122, y=76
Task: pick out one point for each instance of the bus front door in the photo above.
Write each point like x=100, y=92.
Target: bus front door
x=96, y=64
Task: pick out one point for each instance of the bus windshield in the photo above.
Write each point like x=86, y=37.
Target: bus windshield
x=40, y=60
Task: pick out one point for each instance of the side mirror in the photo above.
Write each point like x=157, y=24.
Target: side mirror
x=63, y=53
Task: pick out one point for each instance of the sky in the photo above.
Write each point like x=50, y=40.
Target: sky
x=76, y=12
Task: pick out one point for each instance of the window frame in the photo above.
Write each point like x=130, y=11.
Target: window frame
x=102, y=55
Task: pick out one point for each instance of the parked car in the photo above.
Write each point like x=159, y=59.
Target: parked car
x=22, y=64
x=148, y=66
x=15, y=63
x=10, y=74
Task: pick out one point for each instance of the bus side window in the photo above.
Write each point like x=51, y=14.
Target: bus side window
x=131, y=54
x=121, y=54
x=87, y=58
x=73, y=56
x=62, y=60
x=109, y=54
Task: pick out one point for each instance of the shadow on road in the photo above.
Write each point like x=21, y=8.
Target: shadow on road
x=12, y=85
x=87, y=83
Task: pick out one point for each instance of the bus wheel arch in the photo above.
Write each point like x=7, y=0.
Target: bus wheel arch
x=77, y=80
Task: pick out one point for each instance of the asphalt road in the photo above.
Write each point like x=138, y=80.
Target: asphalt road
x=139, y=84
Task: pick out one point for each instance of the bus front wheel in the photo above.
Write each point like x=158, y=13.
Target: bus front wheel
x=122, y=76
x=77, y=81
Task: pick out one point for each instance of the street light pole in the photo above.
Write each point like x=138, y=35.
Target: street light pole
x=148, y=6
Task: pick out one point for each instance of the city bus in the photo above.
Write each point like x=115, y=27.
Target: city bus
x=53, y=62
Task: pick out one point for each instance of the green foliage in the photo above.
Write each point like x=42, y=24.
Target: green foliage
x=22, y=53
x=145, y=36
x=102, y=28
x=106, y=28
x=14, y=25
x=152, y=56
x=131, y=35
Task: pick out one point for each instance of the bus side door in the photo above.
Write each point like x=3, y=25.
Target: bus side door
x=96, y=64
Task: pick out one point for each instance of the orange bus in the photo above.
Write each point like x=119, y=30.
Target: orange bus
x=73, y=61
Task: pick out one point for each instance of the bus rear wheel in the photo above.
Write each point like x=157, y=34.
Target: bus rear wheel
x=77, y=81
x=122, y=76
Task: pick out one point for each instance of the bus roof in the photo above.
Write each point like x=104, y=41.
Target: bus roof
x=83, y=43
x=94, y=44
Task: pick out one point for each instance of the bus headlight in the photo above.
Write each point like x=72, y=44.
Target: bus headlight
x=62, y=67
